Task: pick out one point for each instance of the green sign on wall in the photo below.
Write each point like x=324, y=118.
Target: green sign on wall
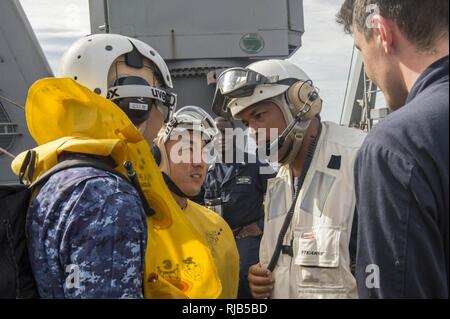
x=252, y=43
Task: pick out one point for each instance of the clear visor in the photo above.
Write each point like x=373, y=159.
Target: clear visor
x=220, y=104
x=166, y=110
x=232, y=80
x=165, y=101
x=240, y=82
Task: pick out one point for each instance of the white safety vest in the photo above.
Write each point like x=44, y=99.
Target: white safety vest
x=321, y=227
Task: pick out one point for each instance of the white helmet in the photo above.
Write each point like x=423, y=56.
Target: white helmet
x=89, y=60
x=192, y=118
x=279, y=70
x=280, y=81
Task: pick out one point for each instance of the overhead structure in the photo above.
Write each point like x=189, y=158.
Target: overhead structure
x=200, y=38
x=360, y=110
x=22, y=62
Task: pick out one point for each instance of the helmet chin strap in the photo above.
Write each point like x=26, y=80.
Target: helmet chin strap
x=297, y=140
x=173, y=187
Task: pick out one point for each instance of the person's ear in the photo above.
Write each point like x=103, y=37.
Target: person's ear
x=384, y=31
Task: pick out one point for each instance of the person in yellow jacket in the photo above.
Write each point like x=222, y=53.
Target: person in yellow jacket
x=183, y=151
x=101, y=230
x=94, y=221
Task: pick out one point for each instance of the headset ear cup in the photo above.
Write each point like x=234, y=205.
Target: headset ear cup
x=299, y=93
x=156, y=154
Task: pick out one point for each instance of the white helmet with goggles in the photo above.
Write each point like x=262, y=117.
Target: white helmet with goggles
x=90, y=59
x=280, y=81
x=187, y=119
x=192, y=118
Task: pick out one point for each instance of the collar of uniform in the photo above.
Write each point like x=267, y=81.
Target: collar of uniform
x=231, y=173
x=435, y=73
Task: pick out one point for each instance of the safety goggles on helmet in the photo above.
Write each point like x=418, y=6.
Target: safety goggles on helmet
x=136, y=97
x=240, y=83
x=192, y=118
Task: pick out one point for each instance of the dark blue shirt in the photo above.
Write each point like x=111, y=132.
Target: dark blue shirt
x=241, y=188
x=402, y=196
x=87, y=236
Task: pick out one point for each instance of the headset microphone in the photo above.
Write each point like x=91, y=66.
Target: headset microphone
x=280, y=140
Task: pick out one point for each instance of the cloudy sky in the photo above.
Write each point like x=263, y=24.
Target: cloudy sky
x=325, y=54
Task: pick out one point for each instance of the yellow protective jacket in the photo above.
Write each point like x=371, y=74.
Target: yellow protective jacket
x=63, y=116
x=220, y=239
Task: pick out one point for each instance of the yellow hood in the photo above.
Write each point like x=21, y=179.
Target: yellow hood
x=63, y=116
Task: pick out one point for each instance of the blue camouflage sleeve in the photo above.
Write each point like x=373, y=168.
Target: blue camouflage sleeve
x=103, y=244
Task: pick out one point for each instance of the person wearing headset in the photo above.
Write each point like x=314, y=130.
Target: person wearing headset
x=310, y=204
x=88, y=218
x=183, y=150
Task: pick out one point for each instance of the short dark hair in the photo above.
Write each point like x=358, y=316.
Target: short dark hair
x=421, y=21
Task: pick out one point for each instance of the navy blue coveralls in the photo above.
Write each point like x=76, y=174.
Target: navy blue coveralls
x=403, y=196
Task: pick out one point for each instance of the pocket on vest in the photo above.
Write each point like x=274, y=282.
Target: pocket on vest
x=316, y=253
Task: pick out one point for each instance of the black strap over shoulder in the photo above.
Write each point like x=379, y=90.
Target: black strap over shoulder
x=103, y=163
x=73, y=163
x=279, y=248
x=28, y=165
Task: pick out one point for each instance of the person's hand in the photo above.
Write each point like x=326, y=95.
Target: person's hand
x=260, y=281
x=251, y=230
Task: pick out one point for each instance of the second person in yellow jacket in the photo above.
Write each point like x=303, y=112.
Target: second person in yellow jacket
x=182, y=151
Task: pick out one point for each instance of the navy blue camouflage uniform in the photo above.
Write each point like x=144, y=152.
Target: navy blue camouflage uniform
x=87, y=224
